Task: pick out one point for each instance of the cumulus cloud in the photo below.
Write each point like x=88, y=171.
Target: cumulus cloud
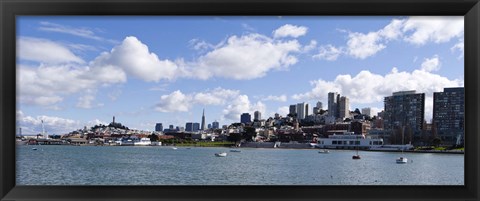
x=52, y=124
x=431, y=64
x=459, y=47
x=415, y=30
x=281, y=98
x=135, y=58
x=34, y=49
x=235, y=58
x=177, y=101
x=422, y=29
x=328, y=52
x=367, y=87
x=289, y=30
x=240, y=105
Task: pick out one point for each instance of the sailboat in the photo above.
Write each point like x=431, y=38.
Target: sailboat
x=356, y=156
x=401, y=159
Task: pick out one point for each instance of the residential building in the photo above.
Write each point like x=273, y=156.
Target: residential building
x=301, y=110
x=367, y=111
x=245, y=118
x=292, y=110
x=344, y=108
x=317, y=108
x=192, y=127
x=332, y=104
x=159, y=127
x=449, y=114
x=404, y=109
x=257, y=115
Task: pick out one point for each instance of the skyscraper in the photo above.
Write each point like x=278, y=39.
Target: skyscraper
x=332, y=104
x=404, y=108
x=301, y=111
x=344, y=107
x=367, y=111
x=449, y=114
x=292, y=110
x=317, y=108
x=245, y=118
x=159, y=127
x=215, y=125
x=203, y=120
x=257, y=115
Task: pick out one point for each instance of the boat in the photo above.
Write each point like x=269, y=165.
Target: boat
x=356, y=156
x=34, y=148
x=223, y=154
x=174, y=148
x=348, y=140
x=234, y=150
x=143, y=142
x=402, y=159
x=324, y=151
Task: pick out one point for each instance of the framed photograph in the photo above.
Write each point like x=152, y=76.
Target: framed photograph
x=235, y=100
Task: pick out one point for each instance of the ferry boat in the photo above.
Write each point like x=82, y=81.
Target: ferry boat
x=143, y=142
x=348, y=140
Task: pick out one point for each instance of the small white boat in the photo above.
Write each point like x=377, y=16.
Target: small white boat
x=223, y=154
x=174, y=148
x=324, y=151
x=402, y=160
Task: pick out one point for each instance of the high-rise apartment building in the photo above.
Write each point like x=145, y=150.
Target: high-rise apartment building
x=192, y=127
x=301, y=110
x=245, y=118
x=404, y=109
x=367, y=111
x=257, y=115
x=159, y=127
x=317, y=108
x=332, y=104
x=449, y=114
x=344, y=108
x=292, y=110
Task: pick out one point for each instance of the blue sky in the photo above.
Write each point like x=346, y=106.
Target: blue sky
x=80, y=71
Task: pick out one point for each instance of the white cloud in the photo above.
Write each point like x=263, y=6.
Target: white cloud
x=367, y=87
x=85, y=101
x=34, y=49
x=283, y=111
x=311, y=46
x=281, y=98
x=180, y=102
x=235, y=58
x=459, y=47
x=53, y=125
x=431, y=64
x=240, y=105
x=422, y=29
x=134, y=57
x=328, y=52
x=415, y=30
x=81, y=32
x=174, y=102
x=289, y=30
x=361, y=45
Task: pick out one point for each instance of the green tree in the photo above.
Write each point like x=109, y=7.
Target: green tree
x=436, y=141
x=249, y=133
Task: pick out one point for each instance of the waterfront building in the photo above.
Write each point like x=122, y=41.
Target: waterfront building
x=301, y=110
x=367, y=111
x=170, y=127
x=449, y=114
x=215, y=125
x=344, y=108
x=159, y=127
x=292, y=110
x=245, y=118
x=332, y=104
x=203, y=120
x=404, y=109
x=257, y=115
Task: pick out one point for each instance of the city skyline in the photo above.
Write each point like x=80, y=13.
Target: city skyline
x=148, y=70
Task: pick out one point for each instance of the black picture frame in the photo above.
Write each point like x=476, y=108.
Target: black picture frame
x=9, y=9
